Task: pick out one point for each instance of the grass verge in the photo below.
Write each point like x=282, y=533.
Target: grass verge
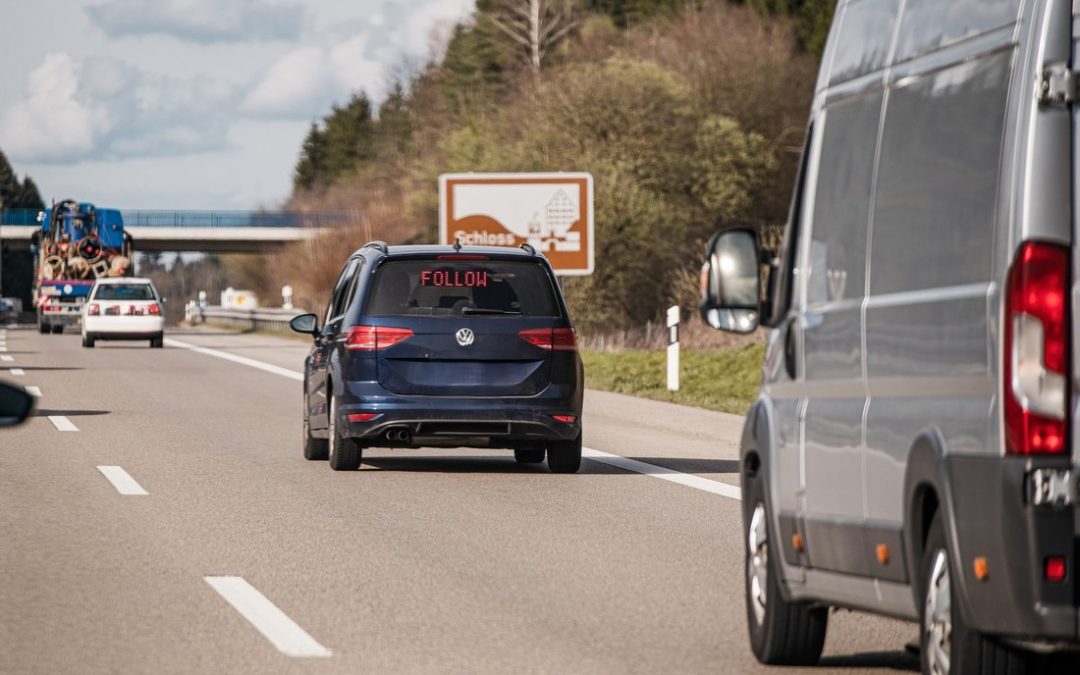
x=718, y=379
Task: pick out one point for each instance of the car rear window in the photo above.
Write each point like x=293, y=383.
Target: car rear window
x=124, y=292
x=460, y=287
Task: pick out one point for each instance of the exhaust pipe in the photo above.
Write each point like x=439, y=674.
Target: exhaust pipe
x=399, y=436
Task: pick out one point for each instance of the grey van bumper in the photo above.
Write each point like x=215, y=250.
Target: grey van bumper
x=991, y=518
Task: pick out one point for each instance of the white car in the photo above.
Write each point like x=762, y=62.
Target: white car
x=123, y=308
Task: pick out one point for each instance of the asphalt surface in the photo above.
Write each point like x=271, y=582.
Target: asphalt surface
x=447, y=561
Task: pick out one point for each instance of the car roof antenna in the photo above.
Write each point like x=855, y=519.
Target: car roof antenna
x=457, y=243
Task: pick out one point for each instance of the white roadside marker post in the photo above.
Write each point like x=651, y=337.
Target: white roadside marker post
x=673, y=348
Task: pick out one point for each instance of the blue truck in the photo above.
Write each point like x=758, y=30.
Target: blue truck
x=76, y=244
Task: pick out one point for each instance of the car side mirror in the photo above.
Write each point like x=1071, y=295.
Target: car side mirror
x=305, y=323
x=731, y=282
x=15, y=405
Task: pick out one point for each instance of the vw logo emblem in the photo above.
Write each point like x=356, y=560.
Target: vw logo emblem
x=465, y=337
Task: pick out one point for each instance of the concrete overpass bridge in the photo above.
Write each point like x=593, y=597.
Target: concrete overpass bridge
x=196, y=231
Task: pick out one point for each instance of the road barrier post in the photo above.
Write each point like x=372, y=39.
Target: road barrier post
x=673, y=348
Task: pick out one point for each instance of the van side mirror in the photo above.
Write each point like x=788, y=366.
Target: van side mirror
x=305, y=323
x=731, y=282
x=15, y=405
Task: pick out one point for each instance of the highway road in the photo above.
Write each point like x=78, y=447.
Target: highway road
x=157, y=516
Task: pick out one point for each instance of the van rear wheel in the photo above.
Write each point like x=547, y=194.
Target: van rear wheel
x=781, y=632
x=564, y=456
x=947, y=643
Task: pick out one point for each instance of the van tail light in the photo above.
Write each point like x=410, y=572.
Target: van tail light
x=553, y=339
x=94, y=309
x=373, y=338
x=154, y=309
x=1036, y=362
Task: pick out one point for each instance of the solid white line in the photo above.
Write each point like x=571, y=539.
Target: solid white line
x=18, y=372
x=275, y=625
x=62, y=423
x=122, y=481
x=243, y=360
x=5, y=357
x=34, y=391
x=688, y=480
x=685, y=479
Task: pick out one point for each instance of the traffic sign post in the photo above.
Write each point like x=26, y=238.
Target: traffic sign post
x=552, y=212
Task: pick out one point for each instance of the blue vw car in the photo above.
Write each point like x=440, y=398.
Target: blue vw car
x=443, y=346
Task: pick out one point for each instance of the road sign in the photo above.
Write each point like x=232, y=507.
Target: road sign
x=553, y=212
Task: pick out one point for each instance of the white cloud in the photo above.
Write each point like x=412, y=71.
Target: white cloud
x=202, y=21
x=55, y=119
x=102, y=109
x=305, y=82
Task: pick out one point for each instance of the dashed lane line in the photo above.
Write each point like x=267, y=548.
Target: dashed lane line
x=5, y=357
x=687, y=480
x=17, y=372
x=122, y=481
x=284, y=633
x=242, y=360
x=34, y=391
x=62, y=423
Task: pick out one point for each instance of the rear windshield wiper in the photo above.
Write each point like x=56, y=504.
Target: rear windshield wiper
x=482, y=310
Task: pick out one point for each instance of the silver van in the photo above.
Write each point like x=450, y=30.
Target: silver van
x=915, y=447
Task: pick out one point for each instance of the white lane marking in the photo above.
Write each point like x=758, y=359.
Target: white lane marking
x=685, y=479
x=274, y=624
x=122, y=481
x=18, y=372
x=62, y=423
x=688, y=480
x=243, y=360
x=34, y=391
x=5, y=357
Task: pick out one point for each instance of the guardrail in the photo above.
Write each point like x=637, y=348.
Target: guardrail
x=142, y=218
x=266, y=319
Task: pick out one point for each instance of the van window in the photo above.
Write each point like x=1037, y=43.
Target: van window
x=862, y=45
x=938, y=176
x=842, y=200
x=461, y=287
x=931, y=24
x=337, y=300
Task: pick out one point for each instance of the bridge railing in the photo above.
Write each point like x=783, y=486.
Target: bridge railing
x=153, y=218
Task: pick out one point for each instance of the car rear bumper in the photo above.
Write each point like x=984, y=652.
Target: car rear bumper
x=123, y=327
x=487, y=422
x=995, y=520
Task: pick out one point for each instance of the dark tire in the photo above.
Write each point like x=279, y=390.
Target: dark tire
x=781, y=632
x=344, y=453
x=44, y=328
x=529, y=455
x=564, y=456
x=88, y=341
x=314, y=448
x=58, y=329
x=157, y=342
x=965, y=649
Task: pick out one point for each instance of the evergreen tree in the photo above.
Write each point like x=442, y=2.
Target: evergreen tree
x=311, y=167
x=15, y=194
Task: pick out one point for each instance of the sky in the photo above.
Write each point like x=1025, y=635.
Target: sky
x=192, y=104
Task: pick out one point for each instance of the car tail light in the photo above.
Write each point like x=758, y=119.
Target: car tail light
x=373, y=338
x=565, y=419
x=154, y=309
x=1037, y=350
x=94, y=309
x=554, y=339
x=461, y=256
x=362, y=417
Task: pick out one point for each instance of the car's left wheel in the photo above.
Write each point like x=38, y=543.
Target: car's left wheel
x=88, y=340
x=314, y=448
x=345, y=453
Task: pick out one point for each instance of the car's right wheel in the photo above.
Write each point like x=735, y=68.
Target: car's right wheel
x=947, y=644
x=529, y=455
x=564, y=456
x=345, y=453
x=314, y=448
x=88, y=341
x=782, y=632
x=157, y=342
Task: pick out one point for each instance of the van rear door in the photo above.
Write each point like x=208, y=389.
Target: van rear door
x=464, y=325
